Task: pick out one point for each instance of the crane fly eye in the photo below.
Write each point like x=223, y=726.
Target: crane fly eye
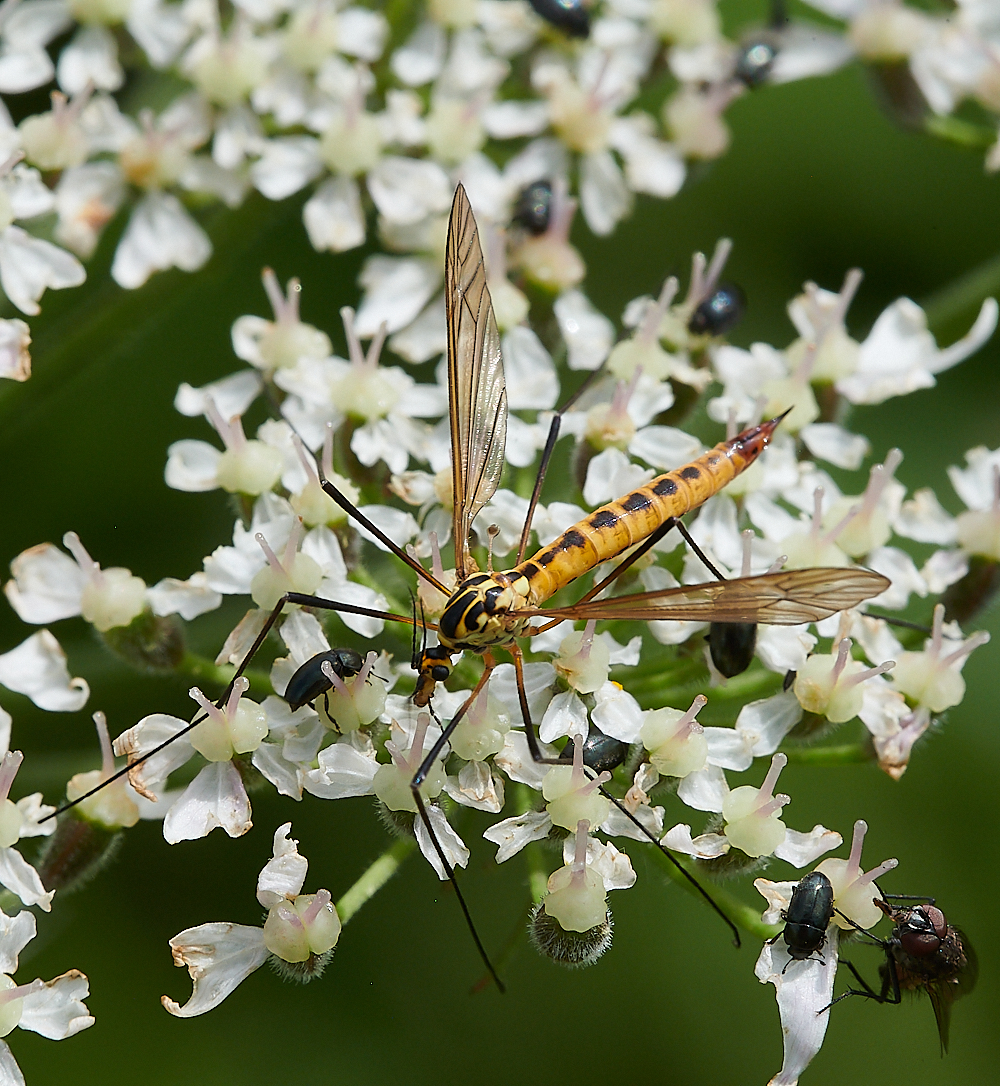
x=440, y=673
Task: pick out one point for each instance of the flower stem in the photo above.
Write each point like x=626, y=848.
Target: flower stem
x=835, y=754
x=203, y=669
x=963, y=294
x=375, y=877
x=743, y=916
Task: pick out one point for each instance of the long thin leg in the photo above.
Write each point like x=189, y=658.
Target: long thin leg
x=352, y=510
x=536, y=754
x=419, y=777
x=290, y=597
x=543, y=467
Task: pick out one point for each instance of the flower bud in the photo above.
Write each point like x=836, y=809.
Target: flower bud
x=239, y=728
x=830, y=684
x=352, y=143
x=753, y=815
x=675, y=740
x=576, y=895
x=572, y=797
x=583, y=661
x=569, y=948
x=481, y=731
x=310, y=36
x=454, y=131
x=392, y=782
x=54, y=140
x=225, y=71
x=296, y=930
x=252, y=469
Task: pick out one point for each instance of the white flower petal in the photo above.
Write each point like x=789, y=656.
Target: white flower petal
x=216, y=797
x=286, y=165
x=538, y=682
x=219, y=957
x=778, y=896
x=765, y=723
x=15, y=934
x=728, y=749
x=944, y=568
x=231, y=395
x=802, y=849
x=603, y=196
x=532, y=382
x=160, y=235
x=512, y=118
x=784, y=648
x=362, y=33
x=333, y=216
x=396, y=290
x=566, y=715
x=614, y=866
x=15, y=361
x=588, y=334
x=406, y=190
x=192, y=466
x=617, y=713
x=57, y=1011
x=90, y=59
x=835, y=445
x=139, y=741
x=47, y=585
x=37, y=668
x=22, y=879
x=516, y=761
x=283, y=875
x=420, y=58
x=709, y=846
x=475, y=786
x=453, y=847
x=804, y=992
x=343, y=771
x=665, y=447
x=29, y=266
x=512, y=834
x=704, y=790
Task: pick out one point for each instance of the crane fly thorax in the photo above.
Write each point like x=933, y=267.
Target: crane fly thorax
x=482, y=612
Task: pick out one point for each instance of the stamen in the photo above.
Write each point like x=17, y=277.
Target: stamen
x=366, y=668
x=336, y=681
x=289, y=915
x=766, y=790
x=305, y=459
x=209, y=707
x=687, y=722
x=817, y=517
x=8, y=995
x=272, y=558
x=869, y=673
x=292, y=545
x=723, y=247
x=417, y=746
x=587, y=642
x=937, y=631
x=354, y=351
x=878, y=479
x=492, y=532
x=316, y=906
x=240, y=687
x=776, y=565
x=437, y=567
x=696, y=288
x=375, y=347
x=8, y=771
x=852, y=280
x=272, y=288
x=841, y=524
x=580, y=851
x=876, y=872
x=858, y=840
x=843, y=655
x=107, y=754
x=649, y=330
x=11, y=160
x=768, y=809
x=561, y=211
x=980, y=637
x=71, y=541
x=731, y=430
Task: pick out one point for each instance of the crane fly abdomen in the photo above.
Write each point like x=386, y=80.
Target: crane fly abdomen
x=612, y=529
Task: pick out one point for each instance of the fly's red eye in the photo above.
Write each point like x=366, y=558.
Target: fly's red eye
x=938, y=922
x=919, y=944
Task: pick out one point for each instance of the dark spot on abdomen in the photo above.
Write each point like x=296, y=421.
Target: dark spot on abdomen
x=573, y=539
x=690, y=473
x=665, y=487
x=603, y=518
x=635, y=501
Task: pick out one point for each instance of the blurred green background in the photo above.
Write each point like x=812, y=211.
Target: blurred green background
x=817, y=181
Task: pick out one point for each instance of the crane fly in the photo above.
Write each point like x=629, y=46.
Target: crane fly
x=492, y=610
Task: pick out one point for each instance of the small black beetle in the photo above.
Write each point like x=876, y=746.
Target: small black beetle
x=309, y=682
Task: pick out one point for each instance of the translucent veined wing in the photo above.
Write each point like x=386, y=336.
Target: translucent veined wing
x=477, y=396
x=944, y=992
x=787, y=598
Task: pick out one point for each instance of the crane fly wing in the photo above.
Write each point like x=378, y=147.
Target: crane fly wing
x=787, y=598
x=477, y=395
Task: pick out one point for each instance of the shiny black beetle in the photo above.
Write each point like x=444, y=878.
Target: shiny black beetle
x=309, y=682
x=808, y=916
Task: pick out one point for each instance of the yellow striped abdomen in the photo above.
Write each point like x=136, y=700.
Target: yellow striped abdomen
x=615, y=527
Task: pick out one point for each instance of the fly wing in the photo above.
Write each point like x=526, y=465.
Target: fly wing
x=787, y=598
x=477, y=396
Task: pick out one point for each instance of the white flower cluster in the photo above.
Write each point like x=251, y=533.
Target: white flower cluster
x=352, y=737
x=286, y=95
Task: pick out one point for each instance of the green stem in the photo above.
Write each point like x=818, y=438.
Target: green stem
x=835, y=754
x=963, y=294
x=375, y=877
x=200, y=667
x=743, y=916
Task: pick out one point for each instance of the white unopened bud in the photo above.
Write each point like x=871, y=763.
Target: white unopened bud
x=583, y=661
x=481, y=731
x=578, y=117
x=685, y=22
x=572, y=796
x=296, y=930
x=310, y=36
x=454, y=131
x=54, y=140
x=239, y=728
x=933, y=678
x=113, y=807
x=753, y=815
x=576, y=895
x=226, y=71
x=353, y=702
x=695, y=124
x=110, y=597
x=675, y=740
x=292, y=572
x=392, y=782
x=829, y=684
x=854, y=891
